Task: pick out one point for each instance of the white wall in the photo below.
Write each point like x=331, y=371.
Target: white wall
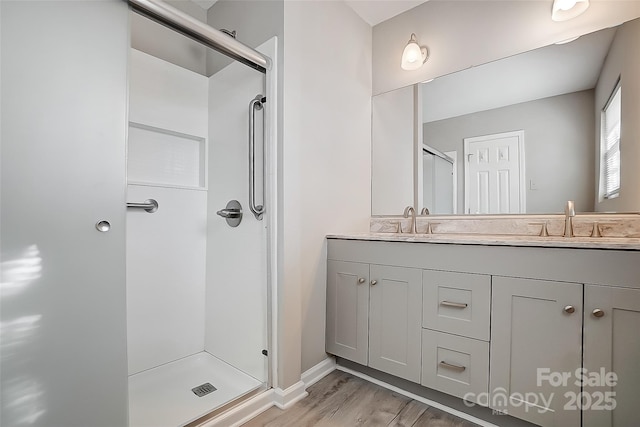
x=236, y=295
x=461, y=34
x=558, y=146
x=392, y=151
x=623, y=61
x=326, y=150
x=256, y=21
x=166, y=249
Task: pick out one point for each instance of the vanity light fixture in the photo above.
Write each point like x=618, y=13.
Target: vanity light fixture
x=563, y=10
x=414, y=55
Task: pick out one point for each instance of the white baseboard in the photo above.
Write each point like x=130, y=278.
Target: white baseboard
x=283, y=399
x=413, y=396
x=286, y=398
x=244, y=412
x=318, y=372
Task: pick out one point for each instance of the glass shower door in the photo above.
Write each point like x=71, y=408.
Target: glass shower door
x=62, y=292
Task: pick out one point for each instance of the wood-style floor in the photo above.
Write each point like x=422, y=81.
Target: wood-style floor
x=343, y=400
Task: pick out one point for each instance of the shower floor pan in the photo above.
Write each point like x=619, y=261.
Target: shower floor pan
x=163, y=396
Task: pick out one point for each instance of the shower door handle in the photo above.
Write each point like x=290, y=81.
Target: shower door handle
x=255, y=104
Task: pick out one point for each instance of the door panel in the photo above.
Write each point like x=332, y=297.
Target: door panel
x=64, y=99
x=530, y=331
x=348, y=310
x=611, y=344
x=395, y=321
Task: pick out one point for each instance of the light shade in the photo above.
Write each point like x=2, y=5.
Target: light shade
x=413, y=55
x=564, y=10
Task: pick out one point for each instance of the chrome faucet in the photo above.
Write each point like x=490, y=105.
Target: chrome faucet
x=424, y=211
x=569, y=213
x=409, y=210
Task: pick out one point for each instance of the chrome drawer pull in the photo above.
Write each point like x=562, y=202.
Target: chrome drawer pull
x=452, y=367
x=453, y=304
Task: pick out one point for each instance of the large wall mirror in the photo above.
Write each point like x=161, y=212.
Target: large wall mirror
x=517, y=135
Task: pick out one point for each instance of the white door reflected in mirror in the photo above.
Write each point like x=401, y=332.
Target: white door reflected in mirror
x=494, y=174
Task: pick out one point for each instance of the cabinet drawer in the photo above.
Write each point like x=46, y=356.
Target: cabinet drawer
x=455, y=365
x=458, y=303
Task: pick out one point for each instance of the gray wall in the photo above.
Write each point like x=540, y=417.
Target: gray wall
x=155, y=39
x=559, y=151
x=466, y=33
x=623, y=61
x=326, y=151
x=254, y=21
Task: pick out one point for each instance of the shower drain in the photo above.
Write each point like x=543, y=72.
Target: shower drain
x=203, y=390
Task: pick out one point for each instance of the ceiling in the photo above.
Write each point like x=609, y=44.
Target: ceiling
x=371, y=11
x=205, y=4
x=376, y=11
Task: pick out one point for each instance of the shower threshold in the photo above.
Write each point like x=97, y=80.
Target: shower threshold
x=163, y=396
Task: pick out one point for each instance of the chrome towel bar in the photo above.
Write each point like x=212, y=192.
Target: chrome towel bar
x=149, y=205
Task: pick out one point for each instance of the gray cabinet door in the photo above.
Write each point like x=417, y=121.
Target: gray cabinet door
x=534, y=333
x=395, y=319
x=348, y=310
x=611, y=344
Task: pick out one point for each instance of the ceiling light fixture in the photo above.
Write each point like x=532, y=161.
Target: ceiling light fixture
x=563, y=10
x=414, y=55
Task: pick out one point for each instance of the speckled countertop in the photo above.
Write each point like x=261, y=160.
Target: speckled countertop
x=632, y=244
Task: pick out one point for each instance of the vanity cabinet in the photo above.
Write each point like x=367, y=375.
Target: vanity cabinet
x=374, y=315
x=536, y=326
x=612, y=345
x=485, y=323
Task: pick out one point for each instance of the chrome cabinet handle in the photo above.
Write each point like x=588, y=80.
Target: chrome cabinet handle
x=374, y=282
x=569, y=309
x=361, y=280
x=452, y=367
x=598, y=312
x=453, y=304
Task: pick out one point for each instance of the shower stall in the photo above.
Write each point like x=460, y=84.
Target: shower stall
x=196, y=239
x=137, y=215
